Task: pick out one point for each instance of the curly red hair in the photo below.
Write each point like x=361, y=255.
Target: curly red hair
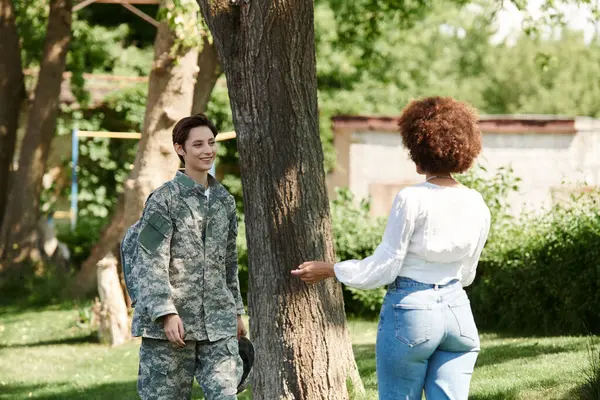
x=441, y=134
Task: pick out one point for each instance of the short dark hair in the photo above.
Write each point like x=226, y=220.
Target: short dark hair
x=441, y=134
x=182, y=129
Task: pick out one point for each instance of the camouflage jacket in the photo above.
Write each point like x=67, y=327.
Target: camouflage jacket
x=187, y=261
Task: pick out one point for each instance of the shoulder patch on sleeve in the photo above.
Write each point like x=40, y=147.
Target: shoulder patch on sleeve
x=155, y=231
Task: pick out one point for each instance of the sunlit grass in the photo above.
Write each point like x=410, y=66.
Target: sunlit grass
x=52, y=353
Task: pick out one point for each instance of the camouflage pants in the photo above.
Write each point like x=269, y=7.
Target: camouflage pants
x=167, y=372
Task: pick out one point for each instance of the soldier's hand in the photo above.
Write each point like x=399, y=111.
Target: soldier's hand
x=241, y=328
x=173, y=327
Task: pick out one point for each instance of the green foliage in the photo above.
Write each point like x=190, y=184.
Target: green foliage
x=531, y=76
x=233, y=183
x=103, y=166
x=31, y=20
x=220, y=111
x=541, y=274
x=90, y=52
x=242, y=249
x=81, y=240
x=538, y=272
x=356, y=236
x=33, y=286
x=441, y=54
x=184, y=20
x=450, y=52
x=495, y=189
x=404, y=64
x=103, y=163
x=93, y=48
x=372, y=58
x=141, y=33
x=98, y=49
x=360, y=22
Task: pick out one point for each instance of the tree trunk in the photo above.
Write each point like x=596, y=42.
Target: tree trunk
x=18, y=238
x=170, y=96
x=209, y=70
x=12, y=95
x=112, y=312
x=267, y=49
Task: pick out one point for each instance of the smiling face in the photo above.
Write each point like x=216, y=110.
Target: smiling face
x=199, y=150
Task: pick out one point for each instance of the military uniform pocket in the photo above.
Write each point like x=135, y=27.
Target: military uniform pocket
x=155, y=231
x=154, y=367
x=233, y=346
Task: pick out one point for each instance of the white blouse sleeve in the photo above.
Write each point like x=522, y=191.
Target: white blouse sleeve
x=470, y=267
x=384, y=265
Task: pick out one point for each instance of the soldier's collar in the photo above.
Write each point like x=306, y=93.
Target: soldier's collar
x=188, y=183
x=185, y=181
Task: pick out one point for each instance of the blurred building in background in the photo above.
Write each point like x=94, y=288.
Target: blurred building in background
x=554, y=156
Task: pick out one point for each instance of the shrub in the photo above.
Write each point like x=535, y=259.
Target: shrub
x=81, y=240
x=33, y=285
x=541, y=274
x=356, y=236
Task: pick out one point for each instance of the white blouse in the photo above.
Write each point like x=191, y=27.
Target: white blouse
x=434, y=234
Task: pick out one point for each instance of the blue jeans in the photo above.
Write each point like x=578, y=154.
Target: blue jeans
x=427, y=340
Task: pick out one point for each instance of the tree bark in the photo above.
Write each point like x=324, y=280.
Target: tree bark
x=267, y=50
x=12, y=95
x=209, y=71
x=112, y=313
x=19, y=237
x=170, y=96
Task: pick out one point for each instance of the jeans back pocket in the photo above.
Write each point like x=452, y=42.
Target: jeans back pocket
x=464, y=319
x=412, y=323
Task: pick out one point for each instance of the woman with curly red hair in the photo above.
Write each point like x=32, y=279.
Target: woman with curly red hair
x=427, y=337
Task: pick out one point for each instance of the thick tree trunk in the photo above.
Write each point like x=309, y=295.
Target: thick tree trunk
x=209, y=70
x=12, y=95
x=112, y=310
x=170, y=96
x=18, y=238
x=267, y=49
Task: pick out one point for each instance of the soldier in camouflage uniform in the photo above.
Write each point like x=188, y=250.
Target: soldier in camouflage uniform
x=189, y=303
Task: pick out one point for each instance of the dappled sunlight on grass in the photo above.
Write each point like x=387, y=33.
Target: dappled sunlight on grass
x=529, y=368
x=52, y=353
x=508, y=368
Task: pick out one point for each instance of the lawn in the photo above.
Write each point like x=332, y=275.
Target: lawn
x=49, y=354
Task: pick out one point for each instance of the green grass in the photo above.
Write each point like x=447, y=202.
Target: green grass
x=51, y=353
